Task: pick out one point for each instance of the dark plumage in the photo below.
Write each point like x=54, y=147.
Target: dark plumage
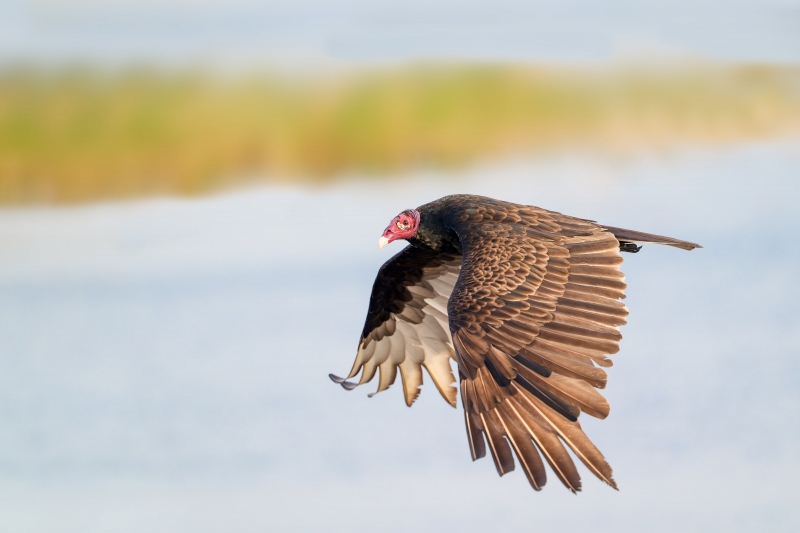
x=527, y=302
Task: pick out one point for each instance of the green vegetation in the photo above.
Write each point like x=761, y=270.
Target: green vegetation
x=79, y=134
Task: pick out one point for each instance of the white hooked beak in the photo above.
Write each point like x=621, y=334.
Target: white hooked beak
x=383, y=241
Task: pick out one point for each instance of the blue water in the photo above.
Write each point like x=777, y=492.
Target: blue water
x=163, y=364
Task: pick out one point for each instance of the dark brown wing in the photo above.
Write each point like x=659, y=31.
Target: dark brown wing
x=406, y=325
x=534, y=313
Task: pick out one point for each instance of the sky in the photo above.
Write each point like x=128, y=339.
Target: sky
x=311, y=33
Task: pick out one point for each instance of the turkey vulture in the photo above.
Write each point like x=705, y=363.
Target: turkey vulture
x=527, y=302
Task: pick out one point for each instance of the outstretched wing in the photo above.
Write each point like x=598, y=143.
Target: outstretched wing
x=406, y=325
x=534, y=313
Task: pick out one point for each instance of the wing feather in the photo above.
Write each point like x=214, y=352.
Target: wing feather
x=575, y=391
x=533, y=317
x=526, y=452
x=477, y=446
x=406, y=327
x=501, y=451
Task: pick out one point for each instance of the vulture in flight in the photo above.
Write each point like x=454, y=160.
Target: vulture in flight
x=527, y=302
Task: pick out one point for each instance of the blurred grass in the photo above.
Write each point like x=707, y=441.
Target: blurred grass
x=79, y=134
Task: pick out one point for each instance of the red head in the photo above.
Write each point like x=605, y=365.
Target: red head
x=403, y=226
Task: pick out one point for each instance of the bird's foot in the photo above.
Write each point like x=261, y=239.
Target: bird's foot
x=628, y=247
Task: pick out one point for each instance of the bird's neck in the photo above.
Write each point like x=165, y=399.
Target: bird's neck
x=434, y=235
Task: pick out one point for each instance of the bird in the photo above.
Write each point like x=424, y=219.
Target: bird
x=527, y=302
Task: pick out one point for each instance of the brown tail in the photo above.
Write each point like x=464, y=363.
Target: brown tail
x=627, y=235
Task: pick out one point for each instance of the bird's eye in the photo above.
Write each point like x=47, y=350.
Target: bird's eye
x=403, y=224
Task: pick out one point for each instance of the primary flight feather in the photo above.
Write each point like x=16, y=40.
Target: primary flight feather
x=527, y=302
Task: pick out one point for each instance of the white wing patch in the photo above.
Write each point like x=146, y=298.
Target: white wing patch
x=416, y=337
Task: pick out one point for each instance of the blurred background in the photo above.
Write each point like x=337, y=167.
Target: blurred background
x=190, y=198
